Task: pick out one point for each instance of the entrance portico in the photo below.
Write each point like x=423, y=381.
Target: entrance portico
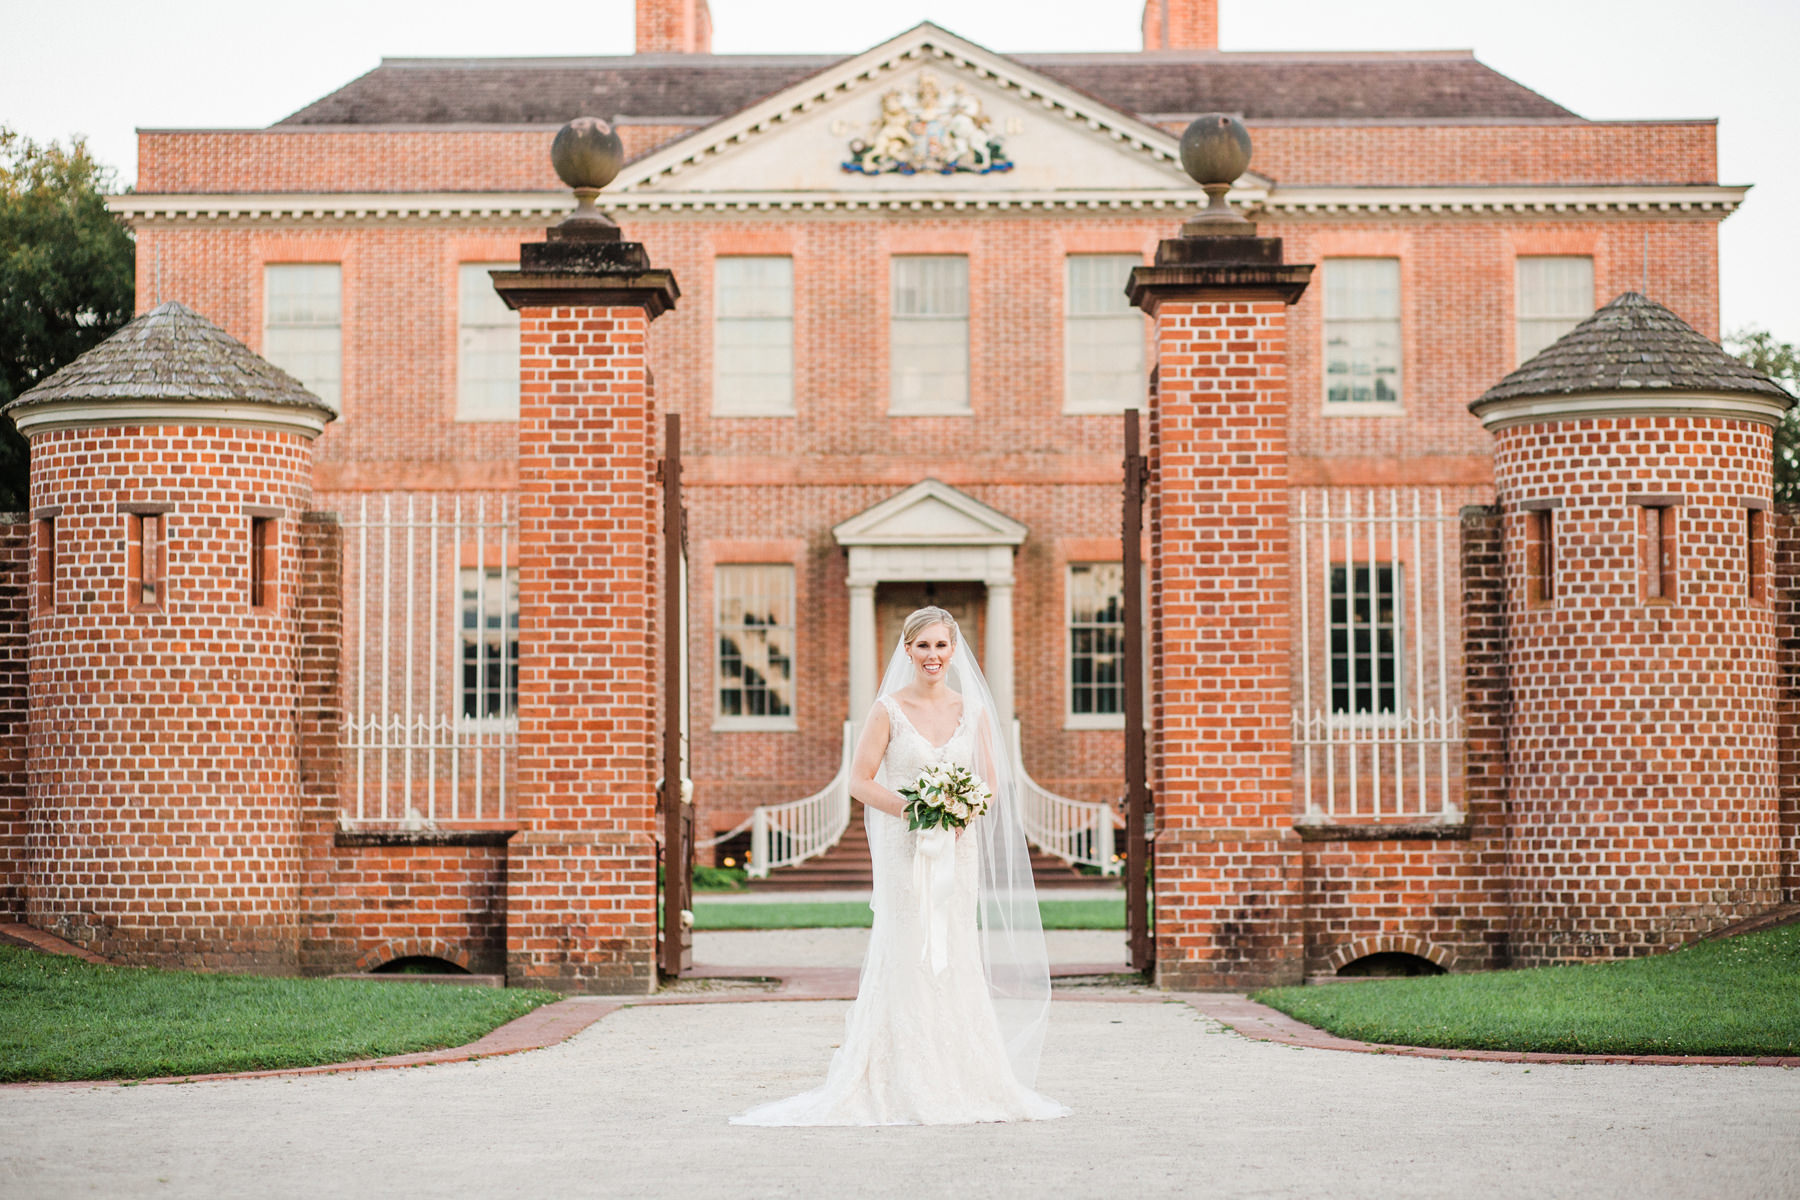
x=930, y=533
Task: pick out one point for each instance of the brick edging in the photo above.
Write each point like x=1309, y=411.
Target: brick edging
x=1259, y=1022
x=541, y=1027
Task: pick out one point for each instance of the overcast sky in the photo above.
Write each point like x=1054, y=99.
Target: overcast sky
x=106, y=67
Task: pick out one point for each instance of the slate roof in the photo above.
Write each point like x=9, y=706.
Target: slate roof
x=172, y=353
x=1632, y=343
x=700, y=88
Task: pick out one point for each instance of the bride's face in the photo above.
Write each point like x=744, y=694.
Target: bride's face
x=931, y=651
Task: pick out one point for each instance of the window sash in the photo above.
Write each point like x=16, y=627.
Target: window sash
x=487, y=360
x=303, y=324
x=1096, y=622
x=1366, y=640
x=753, y=335
x=754, y=636
x=1554, y=293
x=1362, y=331
x=488, y=673
x=1103, y=335
x=929, y=333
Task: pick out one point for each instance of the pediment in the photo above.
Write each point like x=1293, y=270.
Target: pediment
x=930, y=513
x=881, y=125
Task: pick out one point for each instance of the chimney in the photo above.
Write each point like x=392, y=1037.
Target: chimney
x=674, y=27
x=1168, y=24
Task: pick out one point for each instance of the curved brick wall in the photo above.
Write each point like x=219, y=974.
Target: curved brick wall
x=1641, y=748
x=163, y=785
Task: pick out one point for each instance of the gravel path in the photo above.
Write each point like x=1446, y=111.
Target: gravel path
x=1166, y=1104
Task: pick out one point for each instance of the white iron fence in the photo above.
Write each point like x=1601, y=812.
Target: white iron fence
x=1378, y=724
x=431, y=665
x=786, y=835
x=1080, y=832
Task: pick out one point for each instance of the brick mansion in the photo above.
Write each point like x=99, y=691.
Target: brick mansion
x=1469, y=616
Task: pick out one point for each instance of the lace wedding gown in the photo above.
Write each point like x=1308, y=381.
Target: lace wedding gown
x=919, y=1048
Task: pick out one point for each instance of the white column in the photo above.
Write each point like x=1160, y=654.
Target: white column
x=999, y=658
x=863, y=667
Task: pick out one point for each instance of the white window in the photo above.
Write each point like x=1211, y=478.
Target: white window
x=489, y=683
x=929, y=334
x=753, y=336
x=1365, y=640
x=487, y=347
x=303, y=325
x=1362, y=331
x=1103, y=336
x=1555, y=294
x=1096, y=645
x=755, y=637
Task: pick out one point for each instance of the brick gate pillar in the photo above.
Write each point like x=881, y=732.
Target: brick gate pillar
x=581, y=870
x=1226, y=857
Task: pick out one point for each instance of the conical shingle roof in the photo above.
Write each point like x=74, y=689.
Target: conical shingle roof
x=1633, y=344
x=171, y=356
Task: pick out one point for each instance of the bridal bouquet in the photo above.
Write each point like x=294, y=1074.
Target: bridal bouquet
x=945, y=796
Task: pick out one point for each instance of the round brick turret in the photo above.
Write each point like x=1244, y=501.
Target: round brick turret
x=169, y=469
x=1633, y=465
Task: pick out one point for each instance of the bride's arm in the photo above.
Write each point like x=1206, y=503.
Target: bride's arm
x=867, y=760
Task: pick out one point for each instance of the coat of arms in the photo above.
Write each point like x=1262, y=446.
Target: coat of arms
x=923, y=129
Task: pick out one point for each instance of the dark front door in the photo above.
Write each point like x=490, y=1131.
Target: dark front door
x=894, y=602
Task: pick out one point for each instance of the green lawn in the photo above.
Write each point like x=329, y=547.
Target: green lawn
x=855, y=914
x=1734, y=996
x=61, y=1018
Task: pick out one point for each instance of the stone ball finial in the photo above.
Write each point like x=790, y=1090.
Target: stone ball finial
x=587, y=153
x=1215, y=148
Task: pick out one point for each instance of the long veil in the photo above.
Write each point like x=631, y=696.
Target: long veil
x=1013, y=955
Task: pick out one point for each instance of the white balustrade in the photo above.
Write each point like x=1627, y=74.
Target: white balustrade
x=1080, y=832
x=785, y=835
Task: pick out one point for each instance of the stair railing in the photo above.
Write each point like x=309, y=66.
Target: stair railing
x=786, y=835
x=1080, y=832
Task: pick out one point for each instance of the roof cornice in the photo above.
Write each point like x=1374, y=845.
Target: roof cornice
x=382, y=207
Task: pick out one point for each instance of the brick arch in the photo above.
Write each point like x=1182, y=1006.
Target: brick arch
x=1388, y=943
x=387, y=952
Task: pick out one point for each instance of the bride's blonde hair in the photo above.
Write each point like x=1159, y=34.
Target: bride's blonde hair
x=924, y=618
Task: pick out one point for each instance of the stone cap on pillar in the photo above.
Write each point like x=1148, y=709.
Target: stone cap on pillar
x=1633, y=357
x=1218, y=252
x=585, y=260
x=171, y=365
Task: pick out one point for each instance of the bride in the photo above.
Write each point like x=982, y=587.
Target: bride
x=950, y=1012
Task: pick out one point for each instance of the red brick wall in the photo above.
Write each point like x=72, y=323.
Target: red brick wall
x=1181, y=24
x=164, y=790
x=581, y=882
x=377, y=897
x=15, y=610
x=1642, y=740
x=673, y=27
x=1784, y=580
x=1227, y=859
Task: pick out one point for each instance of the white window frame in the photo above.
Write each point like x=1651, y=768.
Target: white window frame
x=1541, y=309
x=276, y=332
x=1071, y=718
x=1336, y=266
x=900, y=320
x=732, y=721
x=1354, y=675
x=490, y=322
x=1118, y=321
x=495, y=606
x=776, y=322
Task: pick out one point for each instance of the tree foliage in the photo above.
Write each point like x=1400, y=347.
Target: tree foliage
x=1780, y=361
x=65, y=276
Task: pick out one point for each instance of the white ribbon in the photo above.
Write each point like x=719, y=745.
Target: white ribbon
x=934, y=879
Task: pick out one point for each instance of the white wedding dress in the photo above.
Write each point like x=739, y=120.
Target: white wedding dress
x=920, y=1047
